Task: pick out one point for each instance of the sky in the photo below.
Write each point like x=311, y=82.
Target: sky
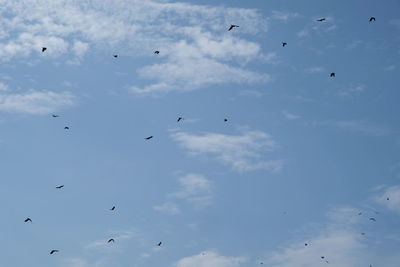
x=306, y=165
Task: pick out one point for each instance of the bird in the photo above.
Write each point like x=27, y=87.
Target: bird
x=55, y=116
x=372, y=19
x=148, y=138
x=179, y=119
x=66, y=128
x=321, y=19
x=387, y=198
x=44, y=49
x=333, y=74
x=159, y=244
x=113, y=208
x=362, y=233
x=156, y=52
x=233, y=26
x=28, y=220
x=360, y=213
x=59, y=187
x=225, y=120
x=115, y=56
x=53, y=251
x=372, y=219
x=284, y=44
x=306, y=244
x=111, y=240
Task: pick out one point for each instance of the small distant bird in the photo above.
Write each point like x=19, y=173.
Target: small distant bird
x=59, y=187
x=372, y=219
x=179, y=119
x=362, y=233
x=322, y=257
x=156, y=52
x=115, y=56
x=44, y=49
x=148, y=138
x=261, y=263
x=66, y=128
x=159, y=244
x=55, y=116
x=233, y=26
x=333, y=74
x=113, y=208
x=111, y=240
x=387, y=198
x=225, y=120
x=360, y=213
x=284, y=44
x=53, y=251
x=306, y=244
x=371, y=19
x=28, y=220
x=321, y=19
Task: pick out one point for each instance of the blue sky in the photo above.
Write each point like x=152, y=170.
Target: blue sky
x=300, y=157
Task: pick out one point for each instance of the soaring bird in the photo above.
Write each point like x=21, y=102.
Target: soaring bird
x=55, y=116
x=225, y=120
x=28, y=220
x=372, y=219
x=233, y=26
x=53, y=251
x=111, y=240
x=179, y=119
x=159, y=244
x=321, y=19
x=59, y=187
x=156, y=52
x=115, y=56
x=148, y=138
x=113, y=208
x=306, y=244
x=66, y=128
x=362, y=233
x=333, y=74
x=284, y=44
x=44, y=49
x=371, y=19
x=387, y=198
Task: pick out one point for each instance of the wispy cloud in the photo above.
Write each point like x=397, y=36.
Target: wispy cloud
x=168, y=208
x=352, y=90
x=290, y=116
x=315, y=27
x=243, y=152
x=284, y=15
x=210, y=259
x=316, y=69
x=361, y=126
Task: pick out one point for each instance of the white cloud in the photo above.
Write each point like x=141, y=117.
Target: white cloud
x=196, y=189
x=168, y=208
x=390, y=198
x=315, y=69
x=35, y=102
x=243, y=152
x=352, y=90
x=210, y=259
x=360, y=126
x=290, y=116
x=80, y=48
x=284, y=16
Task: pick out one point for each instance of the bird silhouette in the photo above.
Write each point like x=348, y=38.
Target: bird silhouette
x=284, y=44
x=66, y=128
x=362, y=233
x=333, y=74
x=371, y=19
x=148, y=138
x=179, y=119
x=59, y=187
x=53, y=251
x=156, y=52
x=387, y=198
x=306, y=244
x=115, y=56
x=111, y=240
x=225, y=120
x=233, y=26
x=372, y=219
x=44, y=49
x=113, y=208
x=159, y=244
x=28, y=220
x=321, y=19
x=55, y=116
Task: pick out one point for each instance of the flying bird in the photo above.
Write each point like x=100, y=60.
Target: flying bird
x=179, y=119
x=148, y=138
x=156, y=52
x=387, y=198
x=159, y=244
x=360, y=213
x=113, y=208
x=362, y=233
x=233, y=26
x=111, y=240
x=372, y=19
x=306, y=244
x=59, y=187
x=115, y=56
x=55, y=116
x=28, y=220
x=225, y=120
x=372, y=219
x=321, y=19
x=284, y=44
x=333, y=74
x=44, y=49
x=53, y=251
x=66, y=128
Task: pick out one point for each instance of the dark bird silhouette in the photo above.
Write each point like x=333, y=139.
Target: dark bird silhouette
x=233, y=26
x=362, y=233
x=179, y=119
x=372, y=219
x=371, y=19
x=115, y=56
x=321, y=19
x=225, y=120
x=55, y=116
x=322, y=257
x=156, y=52
x=148, y=138
x=159, y=244
x=44, y=49
x=28, y=220
x=113, y=208
x=66, y=128
x=284, y=44
x=306, y=244
x=111, y=240
x=53, y=251
x=333, y=74
x=387, y=198
x=59, y=187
